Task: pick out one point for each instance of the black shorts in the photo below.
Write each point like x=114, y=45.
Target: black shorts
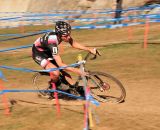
x=42, y=57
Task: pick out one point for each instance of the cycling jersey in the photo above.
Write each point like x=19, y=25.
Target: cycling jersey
x=47, y=43
x=44, y=48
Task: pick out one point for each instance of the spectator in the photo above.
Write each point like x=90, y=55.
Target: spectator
x=118, y=11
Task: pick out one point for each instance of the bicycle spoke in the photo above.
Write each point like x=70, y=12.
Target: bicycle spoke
x=106, y=88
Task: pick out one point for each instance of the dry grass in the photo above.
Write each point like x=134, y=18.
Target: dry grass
x=137, y=68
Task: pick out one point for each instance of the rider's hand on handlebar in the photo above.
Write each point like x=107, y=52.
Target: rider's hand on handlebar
x=93, y=51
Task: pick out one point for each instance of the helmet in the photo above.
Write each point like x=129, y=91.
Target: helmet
x=62, y=28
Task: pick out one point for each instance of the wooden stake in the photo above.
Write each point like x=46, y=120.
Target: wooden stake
x=145, y=44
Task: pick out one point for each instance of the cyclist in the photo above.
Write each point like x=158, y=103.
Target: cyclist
x=46, y=47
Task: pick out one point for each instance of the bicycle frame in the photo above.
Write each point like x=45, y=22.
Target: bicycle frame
x=99, y=83
x=85, y=60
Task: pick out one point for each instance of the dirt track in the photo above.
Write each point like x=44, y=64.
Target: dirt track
x=140, y=111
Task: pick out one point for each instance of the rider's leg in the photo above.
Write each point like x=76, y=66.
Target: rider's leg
x=53, y=74
x=68, y=78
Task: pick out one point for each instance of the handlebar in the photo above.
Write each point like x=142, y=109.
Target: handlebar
x=94, y=57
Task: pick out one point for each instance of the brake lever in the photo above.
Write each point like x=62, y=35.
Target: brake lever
x=95, y=56
x=98, y=53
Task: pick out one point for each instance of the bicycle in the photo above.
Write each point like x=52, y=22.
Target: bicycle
x=103, y=86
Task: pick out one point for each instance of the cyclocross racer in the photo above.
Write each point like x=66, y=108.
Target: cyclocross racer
x=46, y=48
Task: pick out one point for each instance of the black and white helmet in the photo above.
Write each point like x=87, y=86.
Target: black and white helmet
x=62, y=28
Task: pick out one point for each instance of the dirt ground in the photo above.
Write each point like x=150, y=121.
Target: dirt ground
x=137, y=68
x=140, y=111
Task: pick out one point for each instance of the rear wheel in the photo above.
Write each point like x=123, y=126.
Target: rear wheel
x=41, y=81
x=106, y=88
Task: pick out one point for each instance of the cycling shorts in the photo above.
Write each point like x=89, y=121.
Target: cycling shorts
x=42, y=57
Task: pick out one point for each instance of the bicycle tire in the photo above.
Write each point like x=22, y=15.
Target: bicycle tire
x=40, y=81
x=95, y=82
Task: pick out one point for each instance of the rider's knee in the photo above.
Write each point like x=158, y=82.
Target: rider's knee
x=55, y=75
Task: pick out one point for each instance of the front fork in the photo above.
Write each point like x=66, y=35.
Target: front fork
x=103, y=86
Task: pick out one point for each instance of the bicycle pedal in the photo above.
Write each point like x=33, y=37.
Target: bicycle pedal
x=51, y=98
x=43, y=96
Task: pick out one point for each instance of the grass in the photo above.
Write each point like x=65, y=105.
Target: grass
x=127, y=61
x=41, y=118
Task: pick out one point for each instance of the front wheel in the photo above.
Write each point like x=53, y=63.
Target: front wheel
x=106, y=88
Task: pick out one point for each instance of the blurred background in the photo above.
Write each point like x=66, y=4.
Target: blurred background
x=78, y=12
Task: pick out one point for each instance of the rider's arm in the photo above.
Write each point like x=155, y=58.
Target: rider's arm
x=54, y=50
x=60, y=64
x=76, y=45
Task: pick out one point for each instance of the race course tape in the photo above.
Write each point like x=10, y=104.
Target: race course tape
x=48, y=70
x=2, y=76
x=91, y=99
x=113, y=26
x=99, y=26
x=24, y=34
x=45, y=91
x=86, y=27
x=27, y=35
x=107, y=19
x=78, y=27
x=20, y=47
